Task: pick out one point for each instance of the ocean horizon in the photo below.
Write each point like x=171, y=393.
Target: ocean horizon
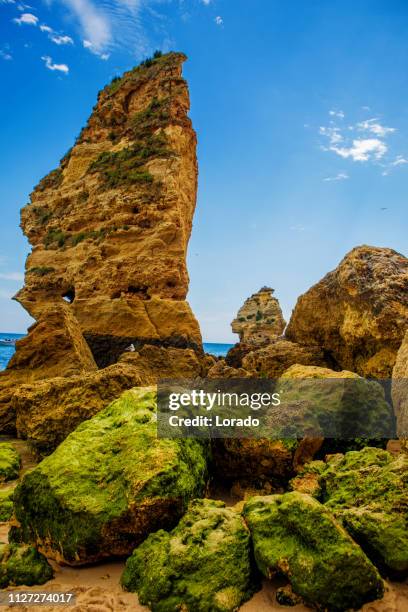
x=219, y=349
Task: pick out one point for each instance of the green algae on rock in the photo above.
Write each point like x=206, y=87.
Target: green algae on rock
x=367, y=491
x=23, y=565
x=203, y=565
x=108, y=485
x=296, y=536
x=6, y=504
x=9, y=462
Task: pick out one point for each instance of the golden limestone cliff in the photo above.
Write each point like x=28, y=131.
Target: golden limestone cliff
x=109, y=230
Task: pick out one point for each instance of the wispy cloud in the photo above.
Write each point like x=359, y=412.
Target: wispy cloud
x=362, y=150
x=46, y=28
x=5, y=55
x=61, y=40
x=26, y=19
x=12, y=276
x=364, y=141
x=206, y=2
x=399, y=161
x=373, y=126
x=51, y=66
x=337, y=113
x=340, y=176
x=94, y=23
x=219, y=20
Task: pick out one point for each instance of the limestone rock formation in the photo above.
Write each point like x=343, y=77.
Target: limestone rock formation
x=400, y=389
x=108, y=485
x=109, y=230
x=203, y=564
x=358, y=313
x=47, y=411
x=23, y=565
x=220, y=369
x=273, y=359
x=366, y=491
x=259, y=319
x=295, y=535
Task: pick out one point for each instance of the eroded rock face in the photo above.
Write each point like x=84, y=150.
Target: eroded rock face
x=259, y=319
x=203, y=564
x=358, y=313
x=108, y=485
x=54, y=346
x=400, y=390
x=47, y=411
x=273, y=359
x=109, y=230
x=295, y=535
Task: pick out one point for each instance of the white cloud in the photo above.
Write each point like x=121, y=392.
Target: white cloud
x=341, y=176
x=399, y=161
x=339, y=114
x=332, y=133
x=219, y=20
x=94, y=23
x=62, y=40
x=12, y=276
x=26, y=19
x=5, y=55
x=206, y=2
x=45, y=28
x=372, y=125
x=51, y=66
x=362, y=149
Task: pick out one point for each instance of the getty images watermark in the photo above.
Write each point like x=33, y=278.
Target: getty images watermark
x=258, y=408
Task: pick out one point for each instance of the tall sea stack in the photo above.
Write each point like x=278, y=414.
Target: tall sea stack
x=109, y=230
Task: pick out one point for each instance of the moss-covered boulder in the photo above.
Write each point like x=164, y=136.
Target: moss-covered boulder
x=296, y=536
x=367, y=491
x=6, y=504
x=202, y=565
x=23, y=565
x=9, y=462
x=109, y=484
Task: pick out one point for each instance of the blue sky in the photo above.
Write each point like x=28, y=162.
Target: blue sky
x=302, y=120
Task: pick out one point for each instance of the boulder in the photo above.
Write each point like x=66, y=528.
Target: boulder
x=203, y=564
x=9, y=462
x=400, y=390
x=358, y=313
x=46, y=412
x=23, y=565
x=6, y=504
x=272, y=360
x=349, y=410
x=108, y=485
x=297, y=537
x=236, y=354
x=254, y=460
x=367, y=492
x=259, y=319
x=49, y=410
x=53, y=347
x=220, y=369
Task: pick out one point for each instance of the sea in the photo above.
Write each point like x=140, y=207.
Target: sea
x=6, y=352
